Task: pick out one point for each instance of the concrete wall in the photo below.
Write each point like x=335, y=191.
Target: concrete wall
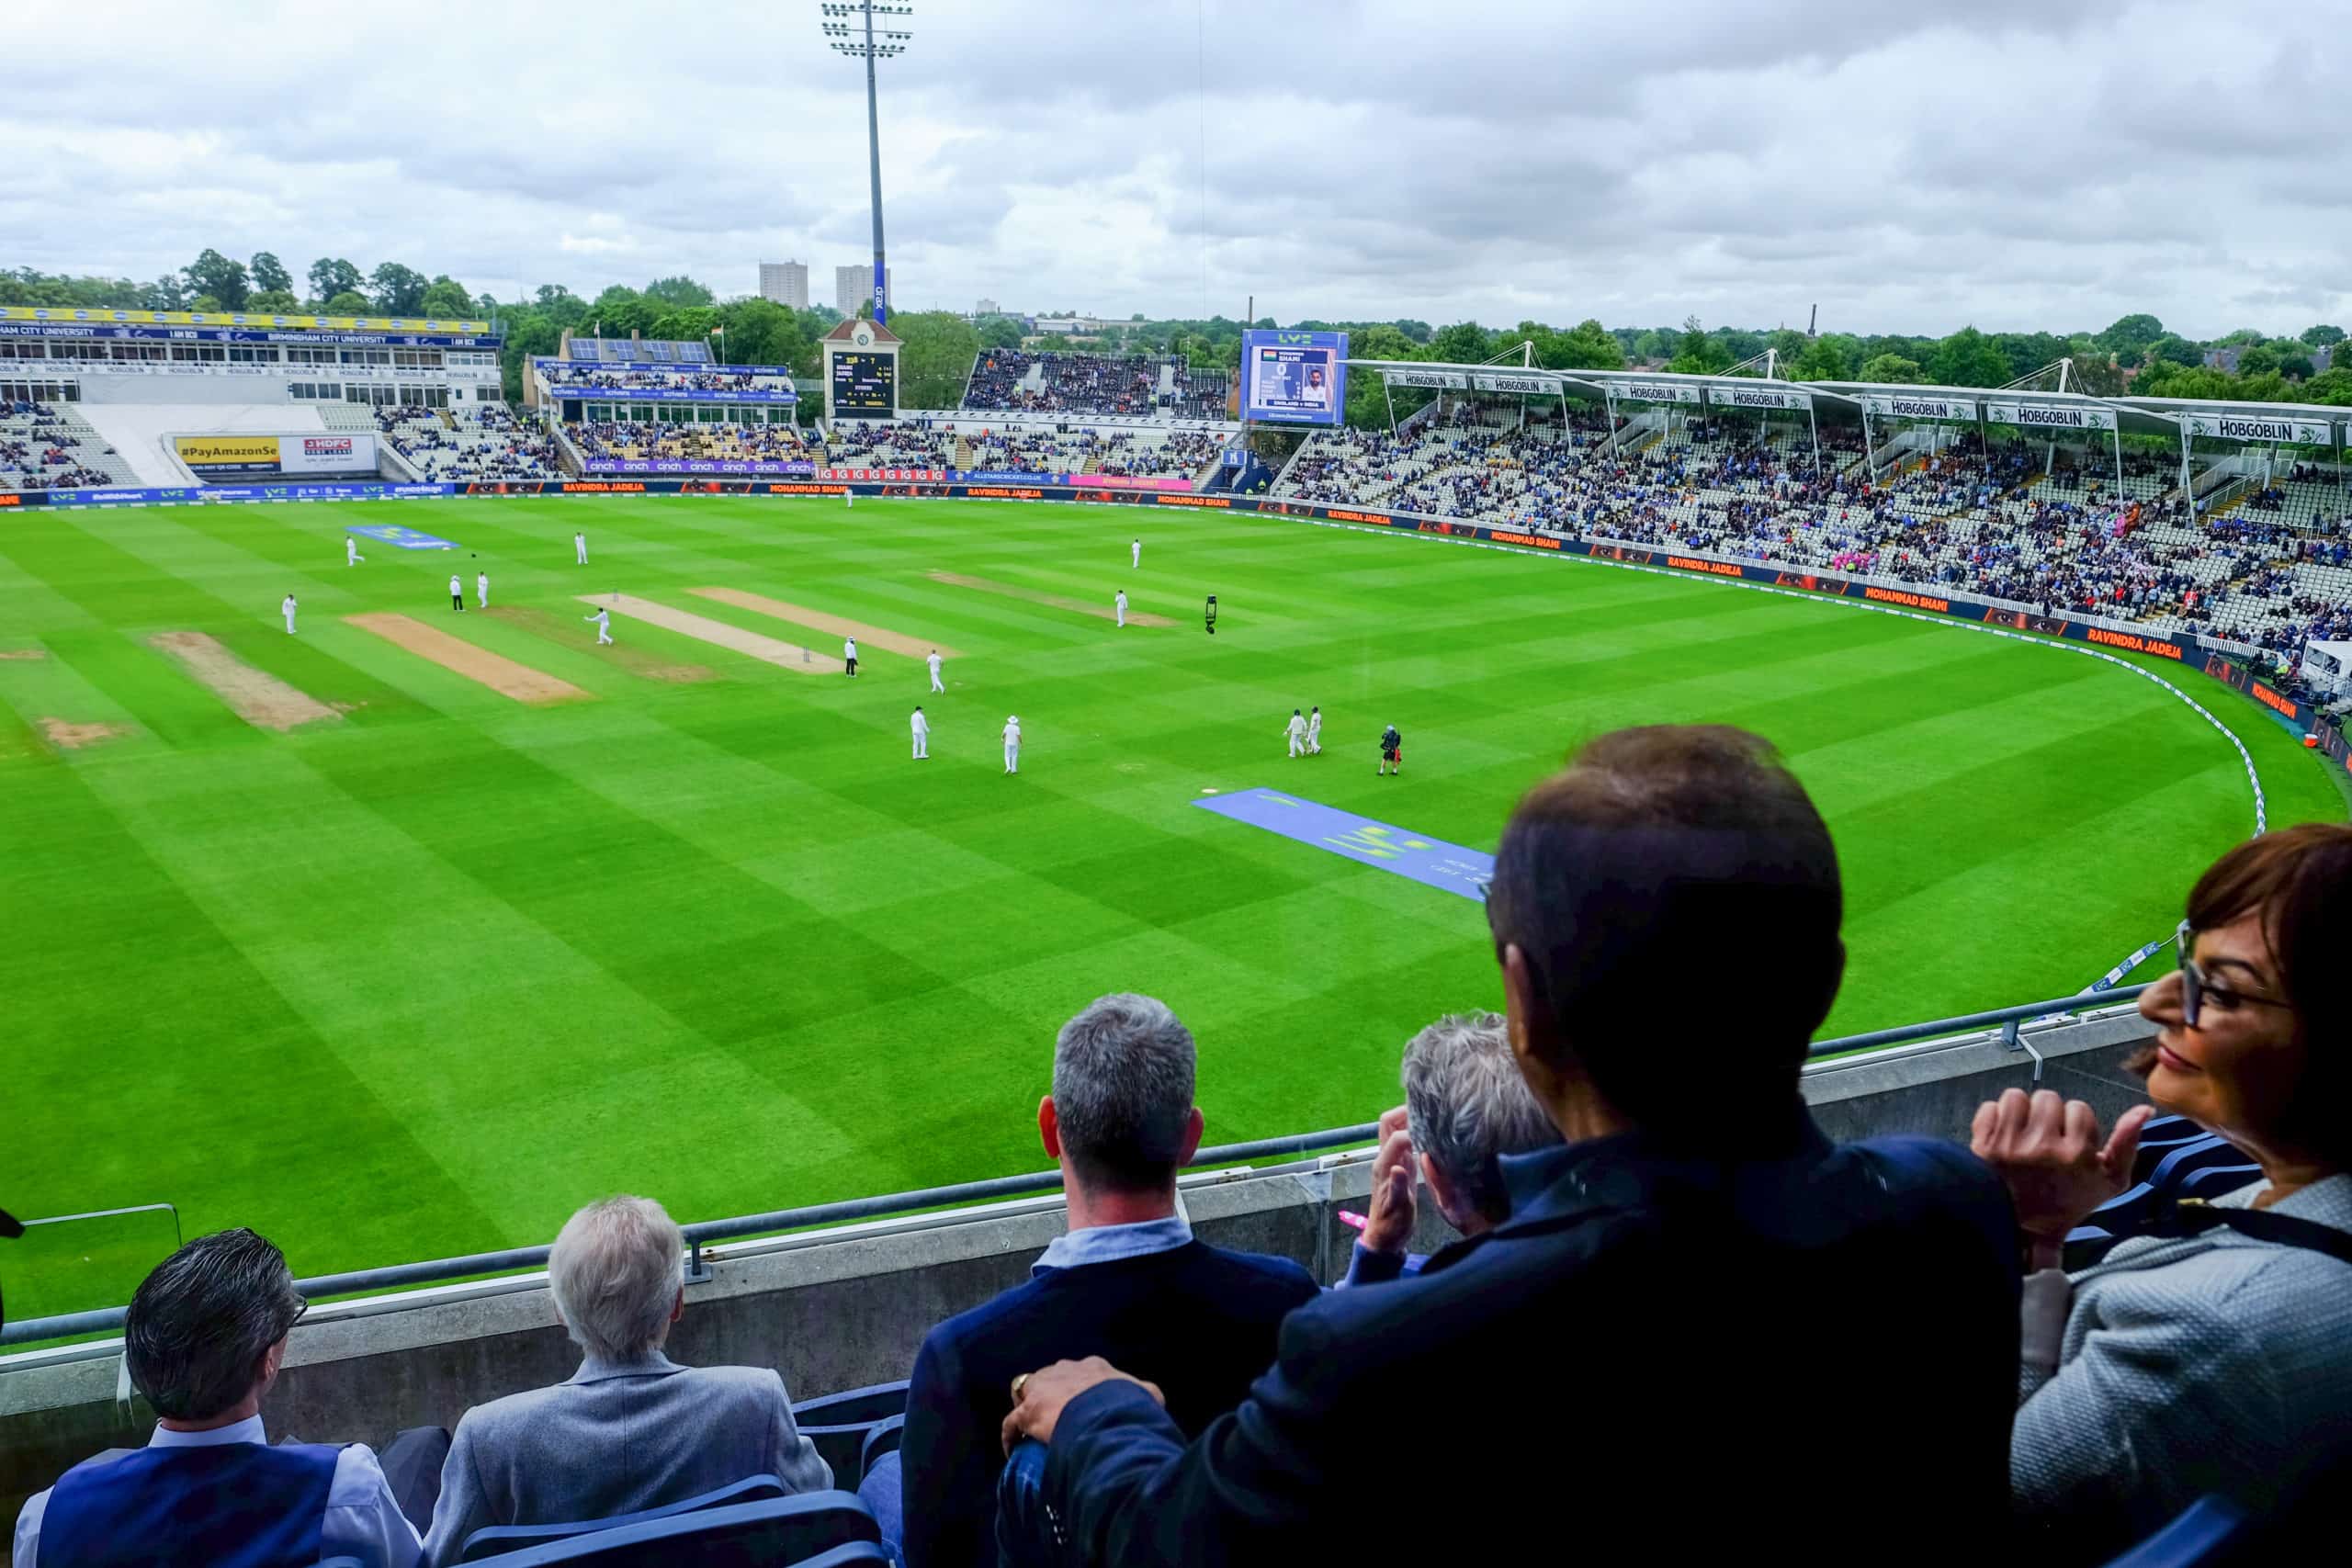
x=838, y=1311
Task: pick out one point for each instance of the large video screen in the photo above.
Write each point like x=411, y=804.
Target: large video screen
x=865, y=383
x=1294, y=377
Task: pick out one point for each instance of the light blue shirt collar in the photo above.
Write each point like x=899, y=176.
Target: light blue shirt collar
x=245, y=1431
x=1109, y=1244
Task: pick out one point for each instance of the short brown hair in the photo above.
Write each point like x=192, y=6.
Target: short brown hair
x=2300, y=880
x=1659, y=856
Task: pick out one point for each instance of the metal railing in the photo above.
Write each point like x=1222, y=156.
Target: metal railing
x=1943, y=1034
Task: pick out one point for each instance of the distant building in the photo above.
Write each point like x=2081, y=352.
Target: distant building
x=854, y=286
x=784, y=283
x=987, y=307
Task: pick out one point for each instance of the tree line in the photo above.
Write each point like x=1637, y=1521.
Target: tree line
x=2136, y=351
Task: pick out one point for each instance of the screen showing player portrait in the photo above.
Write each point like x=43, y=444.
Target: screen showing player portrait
x=1294, y=378
x=866, y=383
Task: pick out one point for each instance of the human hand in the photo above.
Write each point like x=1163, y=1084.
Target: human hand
x=1390, y=1224
x=1038, y=1397
x=2048, y=1152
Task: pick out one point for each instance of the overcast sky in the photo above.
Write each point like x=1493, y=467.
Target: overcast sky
x=1913, y=167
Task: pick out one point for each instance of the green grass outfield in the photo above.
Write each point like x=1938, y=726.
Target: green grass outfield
x=419, y=980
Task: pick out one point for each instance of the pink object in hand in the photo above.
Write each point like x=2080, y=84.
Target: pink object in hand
x=1357, y=1221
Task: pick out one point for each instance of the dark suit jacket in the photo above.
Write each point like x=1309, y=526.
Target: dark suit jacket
x=1196, y=1320
x=1807, y=1351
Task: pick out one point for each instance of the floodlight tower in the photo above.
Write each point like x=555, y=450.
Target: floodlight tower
x=888, y=44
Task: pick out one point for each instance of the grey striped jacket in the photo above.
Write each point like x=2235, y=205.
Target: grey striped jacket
x=2209, y=1363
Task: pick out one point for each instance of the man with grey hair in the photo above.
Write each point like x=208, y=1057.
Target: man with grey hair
x=203, y=1342
x=632, y=1429
x=1127, y=1281
x=1466, y=1110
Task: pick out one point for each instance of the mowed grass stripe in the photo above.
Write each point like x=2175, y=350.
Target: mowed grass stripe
x=253, y=1095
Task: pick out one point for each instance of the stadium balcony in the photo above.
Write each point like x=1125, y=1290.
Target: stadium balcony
x=475, y=442
x=567, y=373
x=1091, y=384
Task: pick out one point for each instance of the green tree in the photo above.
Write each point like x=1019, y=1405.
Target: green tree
x=347, y=303
x=2094, y=372
x=682, y=292
x=445, y=297
x=935, y=358
x=2130, y=333
x=2330, y=386
x=1786, y=342
x=276, y=301
x=2176, y=350
x=1823, y=359
x=2322, y=336
x=998, y=332
x=2260, y=360
x=1586, y=346
x=398, y=290
x=330, y=276
x=168, y=292
x=1464, y=343
x=270, y=276
x=219, y=277
x=1696, y=353
x=1891, y=367
x=2296, y=367
x=1969, y=358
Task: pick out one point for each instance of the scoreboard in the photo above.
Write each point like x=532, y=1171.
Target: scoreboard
x=865, y=383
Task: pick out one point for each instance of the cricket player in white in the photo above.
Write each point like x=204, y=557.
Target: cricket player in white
x=849, y=654
x=934, y=662
x=1296, y=730
x=1315, y=732
x=351, y=556
x=604, y=619
x=1135, y=554
x=286, y=609
x=481, y=589
x=1120, y=605
x=580, y=548
x=922, y=733
x=457, y=593
x=1011, y=743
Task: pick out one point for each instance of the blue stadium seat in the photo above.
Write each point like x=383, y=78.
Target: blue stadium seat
x=2168, y=1179
x=497, y=1541
x=339, y=1563
x=2210, y=1532
x=882, y=1437
x=838, y=1422
x=830, y=1529
x=2160, y=1137
x=2215, y=1179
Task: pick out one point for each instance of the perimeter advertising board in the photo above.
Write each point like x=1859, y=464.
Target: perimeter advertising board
x=1294, y=378
x=207, y=456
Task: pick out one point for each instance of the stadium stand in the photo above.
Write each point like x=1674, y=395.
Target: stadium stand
x=660, y=440
x=1054, y=382
x=52, y=447
x=474, y=442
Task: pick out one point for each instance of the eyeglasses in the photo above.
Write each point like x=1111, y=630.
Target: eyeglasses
x=2196, y=984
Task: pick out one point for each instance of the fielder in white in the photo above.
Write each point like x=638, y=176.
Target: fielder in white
x=580, y=548
x=1296, y=730
x=1315, y=732
x=604, y=619
x=286, y=609
x=1011, y=743
x=1119, y=603
x=351, y=556
x=934, y=662
x=922, y=726
x=481, y=589
x=1135, y=554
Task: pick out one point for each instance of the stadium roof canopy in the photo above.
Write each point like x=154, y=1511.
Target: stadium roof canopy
x=2295, y=423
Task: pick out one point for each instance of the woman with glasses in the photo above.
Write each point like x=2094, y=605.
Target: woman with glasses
x=2211, y=1350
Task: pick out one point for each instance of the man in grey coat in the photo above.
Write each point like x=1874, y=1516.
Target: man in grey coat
x=632, y=1429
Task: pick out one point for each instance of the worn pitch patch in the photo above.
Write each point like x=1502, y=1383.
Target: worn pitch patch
x=67, y=735
x=499, y=674
x=572, y=632
x=702, y=629
x=1455, y=869
x=882, y=637
x=257, y=696
x=1105, y=611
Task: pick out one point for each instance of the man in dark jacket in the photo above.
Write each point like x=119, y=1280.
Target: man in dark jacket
x=1704, y=1333
x=1128, y=1281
